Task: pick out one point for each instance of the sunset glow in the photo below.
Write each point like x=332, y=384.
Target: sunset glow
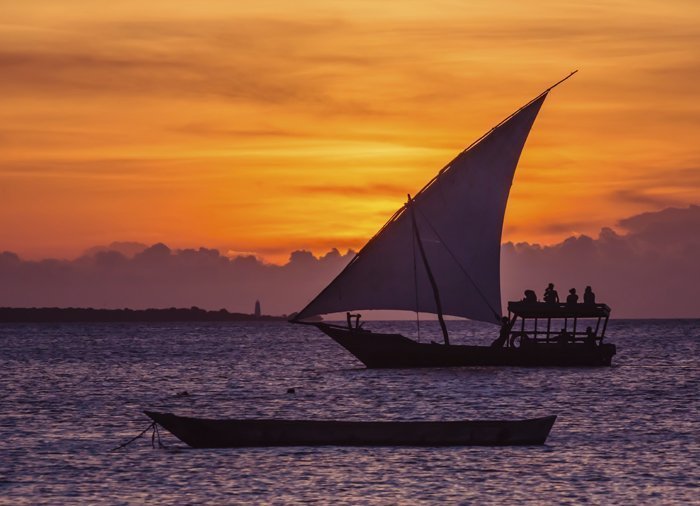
x=277, y=127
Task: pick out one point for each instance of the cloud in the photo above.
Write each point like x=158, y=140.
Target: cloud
x=126, y=248
x=678, y=222
x=644, y=197
x=651, y=271
x=239, y=59
x=129, y=275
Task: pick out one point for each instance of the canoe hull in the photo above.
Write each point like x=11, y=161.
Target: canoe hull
x=208, y=433
x=377, y=351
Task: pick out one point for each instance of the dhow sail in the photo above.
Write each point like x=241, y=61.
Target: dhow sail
x=459, y=219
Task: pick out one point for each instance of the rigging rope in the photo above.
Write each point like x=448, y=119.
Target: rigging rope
x=156, y=433
x=459, y=264
x=153, y=426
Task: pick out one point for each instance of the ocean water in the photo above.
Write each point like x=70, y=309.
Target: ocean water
x=69, y=393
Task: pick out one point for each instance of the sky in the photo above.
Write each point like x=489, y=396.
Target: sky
x=210, y=153
x=271, y=127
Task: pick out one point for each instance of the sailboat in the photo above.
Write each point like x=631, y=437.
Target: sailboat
x=440, y=253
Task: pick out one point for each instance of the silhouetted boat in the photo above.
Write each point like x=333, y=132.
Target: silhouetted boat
x=206, y=433
x=440, y=253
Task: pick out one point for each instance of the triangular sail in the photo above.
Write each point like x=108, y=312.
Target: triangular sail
x=460, y=218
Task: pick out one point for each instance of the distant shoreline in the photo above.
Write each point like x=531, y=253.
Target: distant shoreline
x=91, y=315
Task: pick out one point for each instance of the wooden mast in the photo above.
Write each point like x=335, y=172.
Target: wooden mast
x=436, y=292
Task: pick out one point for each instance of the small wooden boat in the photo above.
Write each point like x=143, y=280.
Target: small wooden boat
x=208, y=433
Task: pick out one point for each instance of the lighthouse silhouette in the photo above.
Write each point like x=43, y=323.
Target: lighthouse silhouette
x=257, y=308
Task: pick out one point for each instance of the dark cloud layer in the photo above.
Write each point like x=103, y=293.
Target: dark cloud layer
x=651, y=271
x=118, y=276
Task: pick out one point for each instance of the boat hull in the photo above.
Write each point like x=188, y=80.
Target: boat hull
x=377, y=351
x=208, y=433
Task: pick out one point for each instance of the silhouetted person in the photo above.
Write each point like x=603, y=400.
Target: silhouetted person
x=572, y=298
x=530, y=296
x=588, y=296
x=590, y=337
x=506, y=325
x=550, y=295
x=564, y=337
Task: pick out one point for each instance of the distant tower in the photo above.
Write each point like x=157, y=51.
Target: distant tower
x=257, y=308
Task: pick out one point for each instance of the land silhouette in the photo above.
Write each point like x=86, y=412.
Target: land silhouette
x=69, y=315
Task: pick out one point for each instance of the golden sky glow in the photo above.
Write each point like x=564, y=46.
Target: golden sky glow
x=280, y=125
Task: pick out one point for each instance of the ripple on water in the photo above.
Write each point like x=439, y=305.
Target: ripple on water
x=625, y=434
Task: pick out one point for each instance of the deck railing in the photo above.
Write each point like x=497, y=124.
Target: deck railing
x=560, y=318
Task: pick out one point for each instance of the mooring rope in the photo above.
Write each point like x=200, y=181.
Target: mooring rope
x=156, y=434
x=153, y=426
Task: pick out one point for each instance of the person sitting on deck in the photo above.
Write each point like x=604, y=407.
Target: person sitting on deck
x=550, y=295
x=563, y=338
x=506, y=325
x=530, y=297
x=589, y=296
x=572, y=298
x=590, y=337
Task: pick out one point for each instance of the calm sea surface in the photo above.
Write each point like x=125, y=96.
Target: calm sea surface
x=69, y=393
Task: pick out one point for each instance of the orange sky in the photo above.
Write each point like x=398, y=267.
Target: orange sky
x=277, y=126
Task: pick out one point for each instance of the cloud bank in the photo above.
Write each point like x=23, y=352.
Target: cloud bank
x=156, y=276
x=651, y=270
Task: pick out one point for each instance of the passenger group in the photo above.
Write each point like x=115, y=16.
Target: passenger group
x=552, y=297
